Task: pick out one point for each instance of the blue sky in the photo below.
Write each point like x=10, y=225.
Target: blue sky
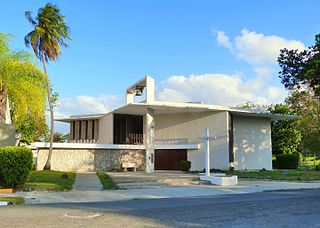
x=221, y=52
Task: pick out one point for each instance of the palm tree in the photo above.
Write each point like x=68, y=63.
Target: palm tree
x=49, y=34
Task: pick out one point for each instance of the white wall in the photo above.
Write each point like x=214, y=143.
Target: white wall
x=106, y=129
x=192, y=126
x=7, y=135
x=252, y=143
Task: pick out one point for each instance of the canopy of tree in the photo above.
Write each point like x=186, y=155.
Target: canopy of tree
x=300, y=73
x=22, y=81
x=286, y=137
x=300, y=69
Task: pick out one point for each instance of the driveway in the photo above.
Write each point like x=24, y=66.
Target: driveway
x=138, y=180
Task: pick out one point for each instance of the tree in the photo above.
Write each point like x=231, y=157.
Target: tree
x=59, y=137
x=300, y=69
x=286, y=137
x=300, y=73
x=307, y=106
x=32, y=130
x=22, y=82
x=251, y=105
x=49, y=34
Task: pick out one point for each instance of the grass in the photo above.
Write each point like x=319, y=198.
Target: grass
x=49, y=180
x=107, y=182
x=14, y=200
x=288, y=175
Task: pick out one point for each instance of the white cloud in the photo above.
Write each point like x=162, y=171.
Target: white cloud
x=221, y=89
x=223, y=40
x=84, y=105
x=257, y=48
x=87, y=105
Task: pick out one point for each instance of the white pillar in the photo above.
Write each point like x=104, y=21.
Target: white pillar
x=149, y=89
x=129, y=98
x=150, y=128
x=207, y=152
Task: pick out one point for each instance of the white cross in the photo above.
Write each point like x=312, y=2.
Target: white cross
x=207, y=139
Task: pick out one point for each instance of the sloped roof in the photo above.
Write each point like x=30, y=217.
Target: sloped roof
x=160, y=107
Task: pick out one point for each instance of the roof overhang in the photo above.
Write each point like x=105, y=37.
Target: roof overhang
x=271, y=116
x=81, y=117
x=175, y=108
x=162, y=108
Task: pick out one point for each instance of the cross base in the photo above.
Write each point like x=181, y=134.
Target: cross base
x=221, y=179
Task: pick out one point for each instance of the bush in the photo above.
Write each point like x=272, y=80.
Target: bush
x=185, y=165
x=274, y=164
x=15, y=165
x=287, y=161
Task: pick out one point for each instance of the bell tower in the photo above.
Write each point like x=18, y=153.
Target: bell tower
x=143, y=86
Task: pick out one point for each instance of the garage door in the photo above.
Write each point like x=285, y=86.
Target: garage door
x=169, y=159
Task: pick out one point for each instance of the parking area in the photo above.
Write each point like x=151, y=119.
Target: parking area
x=137, y=180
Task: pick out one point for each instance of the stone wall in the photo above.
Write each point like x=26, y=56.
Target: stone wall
x=85, y=160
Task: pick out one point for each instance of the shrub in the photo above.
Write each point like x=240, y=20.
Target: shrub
x=185, y=165
x=274, y=164
x=317, y=168
x=15, y=165
x=287, y=161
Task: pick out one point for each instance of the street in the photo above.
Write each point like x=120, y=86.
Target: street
x=295, y=208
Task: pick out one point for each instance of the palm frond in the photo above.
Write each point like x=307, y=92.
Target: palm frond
x=27, y=14
x=49, y=34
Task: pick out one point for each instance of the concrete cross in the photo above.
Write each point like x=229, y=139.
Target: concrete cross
x=207, y=139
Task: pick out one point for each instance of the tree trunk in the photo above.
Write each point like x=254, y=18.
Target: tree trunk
x=2, y=106
x=49, y=96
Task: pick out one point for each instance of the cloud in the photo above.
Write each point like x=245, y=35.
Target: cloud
x=87, y=105
x=84, y=105
x=223, y=40
x=220, y=89
x=257, y=48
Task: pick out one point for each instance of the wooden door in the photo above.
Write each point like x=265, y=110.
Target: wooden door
x=169, y=159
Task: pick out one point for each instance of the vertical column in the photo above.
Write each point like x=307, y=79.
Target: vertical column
x=150, y=129
x=129, y=98
x=71, y=131
x=149, y=89
x=83, y=130
x=90, y=133
x=207, y=152
x=96, y=130
x=77, y=130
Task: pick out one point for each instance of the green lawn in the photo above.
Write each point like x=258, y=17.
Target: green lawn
x=289, y=175
x=107, y=182
x=50, y=181
x=14, y=200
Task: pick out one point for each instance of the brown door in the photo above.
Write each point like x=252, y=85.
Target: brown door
x=169, y=159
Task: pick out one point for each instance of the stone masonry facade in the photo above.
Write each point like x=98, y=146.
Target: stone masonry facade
x=87, y=160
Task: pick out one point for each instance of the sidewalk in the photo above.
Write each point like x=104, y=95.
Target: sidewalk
x=162, y=192
x=87, y=182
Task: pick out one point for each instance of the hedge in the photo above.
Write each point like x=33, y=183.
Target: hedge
x=15, y=165
x=185, y=165
x=287, y=161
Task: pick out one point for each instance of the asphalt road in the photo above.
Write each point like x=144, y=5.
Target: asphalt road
x=267, y=209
